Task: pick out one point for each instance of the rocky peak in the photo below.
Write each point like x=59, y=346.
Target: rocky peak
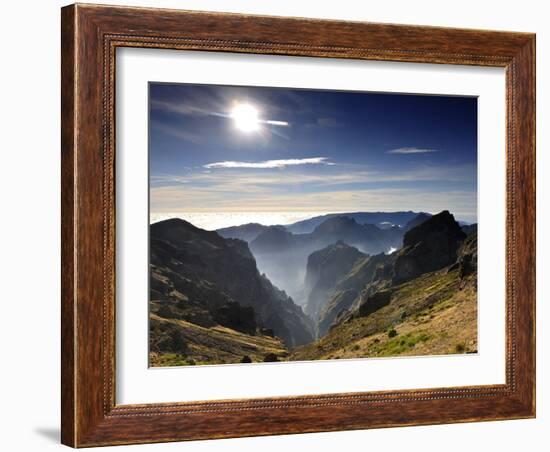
x=427, y=247
x=442, y=225
x=178, y=231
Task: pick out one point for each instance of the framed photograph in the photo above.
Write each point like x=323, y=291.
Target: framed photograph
x=281, y=225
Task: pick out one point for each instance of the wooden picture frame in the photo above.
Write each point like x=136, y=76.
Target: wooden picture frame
x=90, y=36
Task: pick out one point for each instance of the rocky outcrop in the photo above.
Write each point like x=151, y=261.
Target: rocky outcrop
x=432, y=245
x=467, y=256
x=206, y=279
x=373, y=302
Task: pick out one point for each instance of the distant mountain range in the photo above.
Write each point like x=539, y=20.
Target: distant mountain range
x=382, y=220
x=246, y=232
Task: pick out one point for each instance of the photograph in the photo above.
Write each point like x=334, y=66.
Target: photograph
x=296, y=224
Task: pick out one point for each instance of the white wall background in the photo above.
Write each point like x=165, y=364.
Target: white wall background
x=29, y=235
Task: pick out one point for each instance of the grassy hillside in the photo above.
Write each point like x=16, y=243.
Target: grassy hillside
x=433, y=314
x=193, y=344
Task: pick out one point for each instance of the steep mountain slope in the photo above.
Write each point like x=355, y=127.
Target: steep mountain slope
x=178, y=342
x=435, y=313
x=201, y=278
x=363, y=279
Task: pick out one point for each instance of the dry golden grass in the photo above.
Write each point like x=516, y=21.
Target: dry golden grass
x=216, y=345
x=432, y=315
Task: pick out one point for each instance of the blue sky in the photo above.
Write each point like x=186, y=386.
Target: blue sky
x=234, y=149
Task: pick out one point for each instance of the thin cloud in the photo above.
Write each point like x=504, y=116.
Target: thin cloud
x=179, y=132
x=327, y=175
x=412, y=151
x=269, y=164
x=190, y=109
x=180, y=108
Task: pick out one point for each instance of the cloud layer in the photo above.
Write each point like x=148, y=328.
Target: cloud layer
x=269, y=164
x=412, y=151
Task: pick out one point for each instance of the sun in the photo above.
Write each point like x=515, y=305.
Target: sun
x=245, y=117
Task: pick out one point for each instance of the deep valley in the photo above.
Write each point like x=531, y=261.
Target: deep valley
x=337, y=286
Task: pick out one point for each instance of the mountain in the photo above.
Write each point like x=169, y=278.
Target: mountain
x=283, y=255
x=381, y=219
x=246, y=232
x=197, y=277
x=429, y=246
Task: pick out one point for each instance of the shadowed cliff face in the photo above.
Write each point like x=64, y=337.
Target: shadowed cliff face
x=324, y=269
x=431, y=245
x=208, y=280
x=356, y=285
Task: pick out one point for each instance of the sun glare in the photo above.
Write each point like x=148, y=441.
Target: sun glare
x=245, y=117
